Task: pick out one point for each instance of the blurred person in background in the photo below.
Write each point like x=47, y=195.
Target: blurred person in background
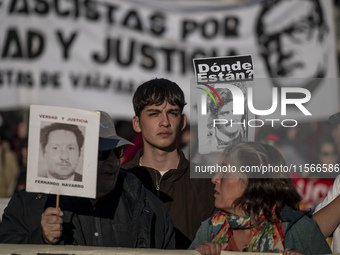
x=23, y=154
x=313, y=186
x=292, y=146
x=19, y=137
x=327, y=153
x=335, y=133
x=9, y=169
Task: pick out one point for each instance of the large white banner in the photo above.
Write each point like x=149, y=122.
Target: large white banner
x=93, y=54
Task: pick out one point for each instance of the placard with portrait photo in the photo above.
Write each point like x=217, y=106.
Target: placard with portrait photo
x=221, y=93
x=62, y=151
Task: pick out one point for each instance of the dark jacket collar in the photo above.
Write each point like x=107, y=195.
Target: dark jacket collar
x=171, y=175
x=290, y=217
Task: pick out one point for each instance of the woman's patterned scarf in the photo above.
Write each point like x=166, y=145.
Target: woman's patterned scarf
x=268, y=236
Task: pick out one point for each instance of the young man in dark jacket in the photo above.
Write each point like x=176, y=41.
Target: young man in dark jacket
x=124, y=213
x=161, y=166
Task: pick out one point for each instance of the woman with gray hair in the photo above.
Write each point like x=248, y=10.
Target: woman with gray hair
x=257, y=213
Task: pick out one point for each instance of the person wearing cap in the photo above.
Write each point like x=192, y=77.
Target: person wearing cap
x=161, y=166
x=326, y=213
x=123, y=214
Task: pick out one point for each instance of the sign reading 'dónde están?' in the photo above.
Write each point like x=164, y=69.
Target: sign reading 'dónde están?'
x=224, y=69
x=221, y=92
x=62, y=151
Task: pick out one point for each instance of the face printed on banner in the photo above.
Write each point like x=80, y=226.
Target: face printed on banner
x=293, y=47
x=61, y=154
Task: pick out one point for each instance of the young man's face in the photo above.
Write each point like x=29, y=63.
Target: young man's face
x=160, y=125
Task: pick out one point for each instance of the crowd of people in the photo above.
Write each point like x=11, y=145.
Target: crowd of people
x=13, y=157
x=151, y=201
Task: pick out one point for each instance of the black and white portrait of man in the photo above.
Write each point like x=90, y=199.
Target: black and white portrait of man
x=61, y=147
x=293, y=47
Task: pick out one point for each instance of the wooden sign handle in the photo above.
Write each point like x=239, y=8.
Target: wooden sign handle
x=57, y=204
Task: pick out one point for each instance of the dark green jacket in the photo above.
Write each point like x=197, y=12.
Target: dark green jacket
x=301, y=233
